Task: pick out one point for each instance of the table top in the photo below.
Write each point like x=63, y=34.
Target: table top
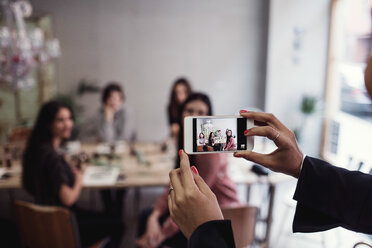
x=150, y=167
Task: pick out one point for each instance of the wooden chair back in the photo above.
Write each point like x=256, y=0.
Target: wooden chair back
x=243, y=221
x=19, y=134
x=45, y=227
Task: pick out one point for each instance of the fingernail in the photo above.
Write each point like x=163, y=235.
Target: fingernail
x=238, y=155
x=193, y=168
x=246, y=132
x=243, y=111
x=180, y=152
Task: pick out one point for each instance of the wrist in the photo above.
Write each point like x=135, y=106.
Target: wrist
x=299, y=167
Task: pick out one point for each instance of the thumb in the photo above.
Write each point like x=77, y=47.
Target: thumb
x=262, y=159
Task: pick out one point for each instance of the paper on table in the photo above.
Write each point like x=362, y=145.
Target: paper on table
x=105, y=148
x=100, y=176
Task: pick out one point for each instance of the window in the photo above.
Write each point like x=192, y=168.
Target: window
x=348, y=128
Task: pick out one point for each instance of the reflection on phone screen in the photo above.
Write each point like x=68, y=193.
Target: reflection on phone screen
x=213, y=135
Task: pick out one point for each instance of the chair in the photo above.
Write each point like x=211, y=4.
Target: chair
x=19, y=134
x=45, y=227
x=243, y=221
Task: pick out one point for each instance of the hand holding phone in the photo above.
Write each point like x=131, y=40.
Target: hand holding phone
x=216, y=134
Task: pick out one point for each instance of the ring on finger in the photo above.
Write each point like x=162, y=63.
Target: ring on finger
x=276, y=137
x=170, y=189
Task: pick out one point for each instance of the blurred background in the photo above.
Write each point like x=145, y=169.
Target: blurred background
x=302, y=60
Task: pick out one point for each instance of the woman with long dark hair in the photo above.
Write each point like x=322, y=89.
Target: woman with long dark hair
x=181, y=89
x=212, y=141
x=52, y=181
x=230, y=143
x=156, y=226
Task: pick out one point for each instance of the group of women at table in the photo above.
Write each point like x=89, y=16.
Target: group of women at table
x=52, y=181
x=196, y=194
x=227, y=145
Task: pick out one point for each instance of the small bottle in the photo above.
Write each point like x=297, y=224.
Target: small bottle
x=8, y=163
x=8, y=156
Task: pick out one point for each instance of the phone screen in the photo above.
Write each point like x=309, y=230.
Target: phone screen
x=219, y=134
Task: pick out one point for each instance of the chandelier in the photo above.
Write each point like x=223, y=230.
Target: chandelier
x=22, y=49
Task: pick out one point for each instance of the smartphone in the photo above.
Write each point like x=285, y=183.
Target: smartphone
x=216, y=134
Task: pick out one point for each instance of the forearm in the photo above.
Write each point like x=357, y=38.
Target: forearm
x=106, y=131
x=68, y=195
x=161, y=204
x=169, y=228
x=339, y=196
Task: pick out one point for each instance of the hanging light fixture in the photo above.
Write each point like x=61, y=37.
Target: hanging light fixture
x=21, y=49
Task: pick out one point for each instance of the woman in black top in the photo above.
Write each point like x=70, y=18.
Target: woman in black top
x=212, y=141
x=51, y=180
x=181, y=89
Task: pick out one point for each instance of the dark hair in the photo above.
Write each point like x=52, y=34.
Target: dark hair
x=111, y=87
x=192, y=97
x=210, y=135
x=41, y=135
x=174, y=106
x=227, y=136
x=202, y=134
x=197, y=97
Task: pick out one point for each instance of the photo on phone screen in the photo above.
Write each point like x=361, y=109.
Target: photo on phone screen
x=219, y=134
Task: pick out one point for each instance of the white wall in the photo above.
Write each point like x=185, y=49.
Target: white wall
x=220, y=45
x=287, y=81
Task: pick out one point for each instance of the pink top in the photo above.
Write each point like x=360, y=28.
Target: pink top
x=231, y=145
x=213, y=169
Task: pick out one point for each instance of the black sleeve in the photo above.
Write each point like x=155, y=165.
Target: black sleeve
x=329, y=196
x=57, y=172
x=213, y=234
x=171, y=118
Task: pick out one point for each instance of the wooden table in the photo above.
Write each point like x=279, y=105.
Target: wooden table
x=155, y=173
x=137, y=174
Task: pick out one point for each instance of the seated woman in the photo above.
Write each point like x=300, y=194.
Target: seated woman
x=51, y=180
x=212, y=142
x=202, y=142
x=156, y=227
x=115, y=122
x=230, y=143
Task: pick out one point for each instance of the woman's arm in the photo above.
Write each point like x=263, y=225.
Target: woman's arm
x=67, y=195
x=212, y=234
x=230, y=144
x=192, y=203
x=105, y=126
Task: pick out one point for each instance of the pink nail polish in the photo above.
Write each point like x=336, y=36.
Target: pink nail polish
x=246, y=132
x=193, y=168
x=237, y=155
x=180, y=152
x=243, y=111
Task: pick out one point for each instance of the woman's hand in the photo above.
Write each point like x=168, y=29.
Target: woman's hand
x=109, y=113
x=191, y=202
x=153, y=236
x=78, y=176
x=287, y=158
